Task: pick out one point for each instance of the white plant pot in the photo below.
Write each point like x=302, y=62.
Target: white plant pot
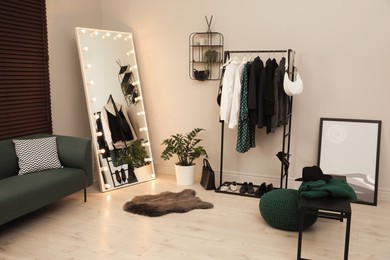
x=185, y=175
x=144, y=173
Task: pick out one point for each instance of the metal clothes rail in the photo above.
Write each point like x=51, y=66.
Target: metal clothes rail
x=287, y=115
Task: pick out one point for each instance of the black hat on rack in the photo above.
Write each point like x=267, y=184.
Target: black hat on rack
x=313, y=173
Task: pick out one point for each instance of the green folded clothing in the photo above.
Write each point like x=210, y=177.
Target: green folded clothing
x=331, y=188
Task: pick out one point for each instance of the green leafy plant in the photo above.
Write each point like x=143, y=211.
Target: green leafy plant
x=136, y=153
x=184, y=146
x=210, y=56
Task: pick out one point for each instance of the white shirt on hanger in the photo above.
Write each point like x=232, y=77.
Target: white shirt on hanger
x=227, y=89
x=235, y=108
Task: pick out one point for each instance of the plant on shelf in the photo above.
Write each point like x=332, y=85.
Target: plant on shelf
x=210, y=56
x=184, y=146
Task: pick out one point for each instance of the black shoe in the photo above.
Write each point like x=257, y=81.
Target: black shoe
x=244, y=188
x=117, y=176
x=269, y=187
x=123, y=174
x=251, y=189
x=261, y=190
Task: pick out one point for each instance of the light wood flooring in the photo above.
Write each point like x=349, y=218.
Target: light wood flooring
x=233, y=229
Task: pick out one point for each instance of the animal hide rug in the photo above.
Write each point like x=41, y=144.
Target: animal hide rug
x=165, y=202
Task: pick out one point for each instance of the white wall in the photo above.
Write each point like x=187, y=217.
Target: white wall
x=69, y=112
x=342, y=55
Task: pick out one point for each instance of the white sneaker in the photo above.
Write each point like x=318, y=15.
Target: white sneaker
x=233, y=186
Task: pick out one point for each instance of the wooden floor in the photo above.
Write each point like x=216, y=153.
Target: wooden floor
x=233, y=229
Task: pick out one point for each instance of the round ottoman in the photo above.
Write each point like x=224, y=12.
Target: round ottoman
x=280, y=209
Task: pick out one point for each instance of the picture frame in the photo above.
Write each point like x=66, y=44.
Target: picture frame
x=351, y=147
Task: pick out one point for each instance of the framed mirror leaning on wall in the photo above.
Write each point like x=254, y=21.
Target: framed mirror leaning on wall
x=115, y=107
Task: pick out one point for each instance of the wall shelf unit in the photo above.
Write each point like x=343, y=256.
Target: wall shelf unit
x=205, y=55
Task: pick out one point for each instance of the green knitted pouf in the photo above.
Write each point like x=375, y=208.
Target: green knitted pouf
x=280, y=209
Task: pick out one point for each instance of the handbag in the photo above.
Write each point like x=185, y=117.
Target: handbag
x=201, y=75
x=208, y=176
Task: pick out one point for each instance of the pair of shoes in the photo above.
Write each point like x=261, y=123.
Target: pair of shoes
x=233, y=186
x=261, y=190
x=283, y=158
x=247, y=188
x=264, y=188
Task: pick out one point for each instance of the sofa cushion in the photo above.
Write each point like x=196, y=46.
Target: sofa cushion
x=37, y=154
x=21, y=194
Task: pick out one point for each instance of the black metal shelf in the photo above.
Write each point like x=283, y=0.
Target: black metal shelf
x=200, y=43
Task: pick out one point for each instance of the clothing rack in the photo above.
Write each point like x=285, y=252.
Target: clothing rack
x=286, y=139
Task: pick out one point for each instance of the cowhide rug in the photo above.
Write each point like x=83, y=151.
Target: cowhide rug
x=165, y=202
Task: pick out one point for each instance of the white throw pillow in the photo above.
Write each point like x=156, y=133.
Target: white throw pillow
x=37, y=154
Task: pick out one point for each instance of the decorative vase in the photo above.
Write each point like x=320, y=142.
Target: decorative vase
x=185, y=175
x=144, y=173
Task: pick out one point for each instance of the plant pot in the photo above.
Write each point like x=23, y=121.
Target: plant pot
x=185, y=175
x=144, y=173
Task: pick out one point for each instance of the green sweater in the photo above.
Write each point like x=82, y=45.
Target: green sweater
x=332, y=188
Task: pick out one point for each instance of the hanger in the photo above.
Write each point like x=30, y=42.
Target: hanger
x=227, y=62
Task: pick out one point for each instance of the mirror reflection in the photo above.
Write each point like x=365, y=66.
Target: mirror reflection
x=116, y=107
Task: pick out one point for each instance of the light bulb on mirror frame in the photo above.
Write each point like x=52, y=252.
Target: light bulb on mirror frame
x=95, y=33
x=99, y=134
x=137, y=82
x=130, y=52
x=91, y=83
x=128, y=37
x=106, y=35
x=118, y=36
x=141, y=113
x=143, y=129
x=82, y=31
x=88, y=66
x=93, y=100
x=102, y=151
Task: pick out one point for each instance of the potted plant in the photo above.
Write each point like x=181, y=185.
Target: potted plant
x=186, y=147
x=210, y=56
x=137, y=156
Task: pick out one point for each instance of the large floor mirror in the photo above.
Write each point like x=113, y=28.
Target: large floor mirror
x=116, y=107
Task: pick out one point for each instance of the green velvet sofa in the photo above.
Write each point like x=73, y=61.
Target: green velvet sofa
x=21, y=194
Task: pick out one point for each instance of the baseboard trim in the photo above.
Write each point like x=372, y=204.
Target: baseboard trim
x=383, y=194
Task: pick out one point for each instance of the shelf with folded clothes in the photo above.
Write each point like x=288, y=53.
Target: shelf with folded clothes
x=244, y=189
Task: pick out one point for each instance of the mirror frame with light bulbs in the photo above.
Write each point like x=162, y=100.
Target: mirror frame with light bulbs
x=105, y=56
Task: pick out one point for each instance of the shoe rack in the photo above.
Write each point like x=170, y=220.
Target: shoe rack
x=243, y=189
